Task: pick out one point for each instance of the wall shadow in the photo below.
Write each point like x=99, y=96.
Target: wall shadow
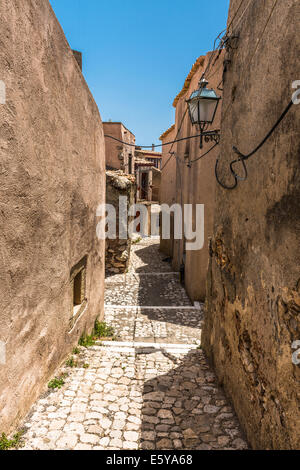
x=184, y=408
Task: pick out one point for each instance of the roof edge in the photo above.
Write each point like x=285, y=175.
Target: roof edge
x=120, y=123
x=199, y=63
x=167, y=132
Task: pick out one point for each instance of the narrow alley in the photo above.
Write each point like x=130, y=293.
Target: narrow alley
x=151, y=388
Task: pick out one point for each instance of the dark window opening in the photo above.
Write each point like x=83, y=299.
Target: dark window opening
x=130, y=165
x=78, y=294
x=77, y=290
x=144, y=186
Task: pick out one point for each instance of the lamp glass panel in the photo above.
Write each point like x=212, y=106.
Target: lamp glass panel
x=194, y=111
x=207, y=110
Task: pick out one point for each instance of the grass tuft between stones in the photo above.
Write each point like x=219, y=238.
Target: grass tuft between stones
x=14, y=443
x=57, y=382
x=100, y=331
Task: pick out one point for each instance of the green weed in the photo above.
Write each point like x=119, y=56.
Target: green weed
x=14, y=443
x=57, y=382
x=71, y=362
x=86, y=340
x=102, y=330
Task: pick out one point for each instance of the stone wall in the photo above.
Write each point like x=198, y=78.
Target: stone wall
x=117, y=254
x=51, y=182
x=253, y=288
x=118, y=155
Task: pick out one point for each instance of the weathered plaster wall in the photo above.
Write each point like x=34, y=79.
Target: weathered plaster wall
x=117, y=252
x=156, y=184
x=117, y=154
x=196, y=184
x=168, y=182
x=253, y=288
x=52, y=174
x=168, y=174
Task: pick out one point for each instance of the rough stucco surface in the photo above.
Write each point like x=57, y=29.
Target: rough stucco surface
x=156, y=183
x=52, y=179
x=253, y=296
x=168, y=183
x=196, y=184
x=117, y=154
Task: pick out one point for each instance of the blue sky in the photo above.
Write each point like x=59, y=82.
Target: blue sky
x=137, y=54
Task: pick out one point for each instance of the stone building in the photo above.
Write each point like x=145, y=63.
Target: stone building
x=148, y=174
x=52, y=180
x=185, y=181
x=150, y=156
x=252, y=324
x=117, y=254
x=119, y=156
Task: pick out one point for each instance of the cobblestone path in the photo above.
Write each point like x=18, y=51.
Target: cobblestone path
x=150, y=389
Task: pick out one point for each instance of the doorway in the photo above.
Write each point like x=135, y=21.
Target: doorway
x=144, y=186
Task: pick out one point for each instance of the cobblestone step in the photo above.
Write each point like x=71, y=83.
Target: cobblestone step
x=150, y=307
x=156, y=324
x=146, y=347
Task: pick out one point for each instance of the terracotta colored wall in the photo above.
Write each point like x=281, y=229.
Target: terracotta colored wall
x=168, y=184
x=253, y=284
x=51, y=182
x=156, y=183
x=114, y=150
x=196, y=185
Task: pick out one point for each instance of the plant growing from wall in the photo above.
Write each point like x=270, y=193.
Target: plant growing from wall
x=57, y=382
x=14, y=443
x=86, y=340
x=101, y=330
x=71, y=362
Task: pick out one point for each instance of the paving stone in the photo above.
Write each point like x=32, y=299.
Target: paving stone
x=131, y=436
x=56, y=424
x=117, y=424
x=211, y=409
x=117, y=443
x=75, y=428
x=223, y=440
x=165, y=414
x=104, y=441
x=147, y=445
x=177, y=444
x=89, y=438
x=239, y=444
x=130, y=445
x=68, y=441
x=164, y=444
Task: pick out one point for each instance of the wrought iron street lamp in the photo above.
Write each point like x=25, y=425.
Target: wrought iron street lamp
x=203, y=104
